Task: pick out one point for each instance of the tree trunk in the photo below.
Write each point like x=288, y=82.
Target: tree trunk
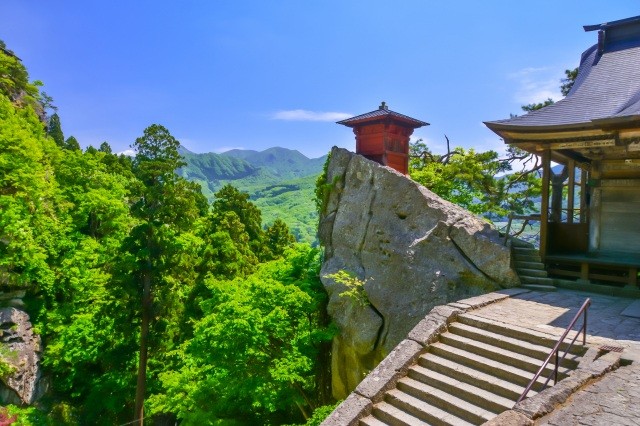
x=144, y=335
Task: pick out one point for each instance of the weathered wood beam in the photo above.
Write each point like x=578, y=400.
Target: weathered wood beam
x=544, y=208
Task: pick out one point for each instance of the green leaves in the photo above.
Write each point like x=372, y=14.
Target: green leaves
x=254, y=352
x=476, y=181
x=88, y=233
x=54, y=130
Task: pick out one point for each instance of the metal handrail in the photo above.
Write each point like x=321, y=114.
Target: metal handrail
x=556, y=349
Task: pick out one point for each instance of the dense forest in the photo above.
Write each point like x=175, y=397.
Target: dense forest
x=279, y=181
x=151, y=302
x=159, y=304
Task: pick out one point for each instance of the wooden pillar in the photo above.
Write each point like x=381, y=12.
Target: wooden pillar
x=633, y=277
x=544, y=208
x=595, y=207
x=584, y=178
x=571, y=190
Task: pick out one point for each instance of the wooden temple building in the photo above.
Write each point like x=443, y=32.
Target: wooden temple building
x=590, y=212
x=383, y=136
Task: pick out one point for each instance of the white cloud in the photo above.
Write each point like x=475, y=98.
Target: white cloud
x=129, y=152
x=305, y=115
x=537, y=84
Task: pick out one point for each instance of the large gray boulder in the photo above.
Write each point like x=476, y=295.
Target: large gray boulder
x=20, y=350
x=412, y=249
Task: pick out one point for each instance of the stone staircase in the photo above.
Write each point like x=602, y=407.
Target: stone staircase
x=529, y=266
x=476, y=370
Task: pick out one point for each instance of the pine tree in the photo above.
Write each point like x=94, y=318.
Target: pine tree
x=72, y=144
x=105, y=147
x=54, y=129
x=167, y=206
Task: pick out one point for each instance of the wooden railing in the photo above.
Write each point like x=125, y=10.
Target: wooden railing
x=556, y=349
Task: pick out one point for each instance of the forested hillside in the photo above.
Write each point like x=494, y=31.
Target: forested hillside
x=279, y=181
x=150, y=300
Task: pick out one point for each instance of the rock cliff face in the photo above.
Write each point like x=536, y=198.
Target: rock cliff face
x=412, y=249
x=20, y=349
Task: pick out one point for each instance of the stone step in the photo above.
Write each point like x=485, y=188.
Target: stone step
x=468, y=392
x=371, y=421
x=426, y=412
x=486, y=365
x=510, y=330
x=528, y=265
x=469, y=375
x=527, y=258
x=527, y=251
x=524, y=279
x=539, y=273
x=394, y=416
x=516, y=242
x=506, y=357
x=447, y=401
x=539, y=287
x=518, y=346
x=477, y=370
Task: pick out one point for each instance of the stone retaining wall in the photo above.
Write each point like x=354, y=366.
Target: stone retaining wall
x=395, y=366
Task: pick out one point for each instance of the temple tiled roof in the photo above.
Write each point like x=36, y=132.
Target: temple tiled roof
x=607, y=86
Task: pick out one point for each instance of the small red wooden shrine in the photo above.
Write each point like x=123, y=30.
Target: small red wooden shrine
x=383, y=136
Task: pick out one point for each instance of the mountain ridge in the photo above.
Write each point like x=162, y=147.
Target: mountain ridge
x=280, y=181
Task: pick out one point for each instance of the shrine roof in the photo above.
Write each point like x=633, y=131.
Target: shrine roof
x=383, y=112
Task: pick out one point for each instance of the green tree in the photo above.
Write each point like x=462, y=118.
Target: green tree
x=105, y=147
x=72, y=144
x=227, y=252
x=278, y=238
x=167, y=206
x=567, y=82
x=537, y=106
x=28, y=220
x=254, y=354
x=54, y=130
x=477, y=181
x=230, y=199
x=14, y=80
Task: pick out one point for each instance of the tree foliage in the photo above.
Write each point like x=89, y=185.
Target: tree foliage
x=54, y=130
x=253, y=353
x=72, y=144
x=477, y=181
x=14, y=82
x=127, y=269
x=537, y=106
x=567, y=82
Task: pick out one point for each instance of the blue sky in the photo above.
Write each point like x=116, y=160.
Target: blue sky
x=256, y=74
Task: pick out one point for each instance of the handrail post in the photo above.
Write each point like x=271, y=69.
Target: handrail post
x=584, y=332
x=556, y=349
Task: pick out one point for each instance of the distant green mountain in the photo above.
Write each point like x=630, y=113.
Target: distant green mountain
x=280, y=182
x=281, y=162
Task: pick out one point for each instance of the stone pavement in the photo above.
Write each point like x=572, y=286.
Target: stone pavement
x=614, y=399
x=551, y=312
